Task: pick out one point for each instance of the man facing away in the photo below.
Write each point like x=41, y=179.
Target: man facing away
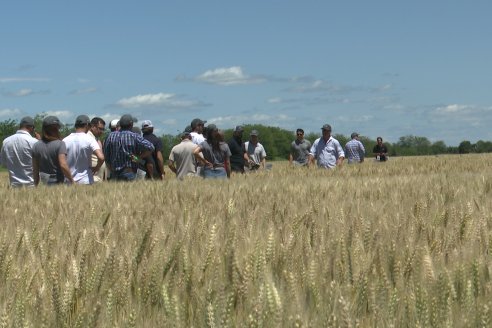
x=254, y=152
x=299, y=150
x=157, y=161
x=326, y=150
x=96, y=130
x=237, y=150
x=182, y=158
x=80, y=148
x=354, y=149
x=123, y=150
x=16, y=154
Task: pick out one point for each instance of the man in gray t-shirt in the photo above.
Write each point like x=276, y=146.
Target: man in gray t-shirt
x=299, y=150
x=182, y=159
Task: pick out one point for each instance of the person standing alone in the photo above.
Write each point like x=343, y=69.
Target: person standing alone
x=354, y=149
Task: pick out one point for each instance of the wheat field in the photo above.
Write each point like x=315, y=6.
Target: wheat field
x=406, y=243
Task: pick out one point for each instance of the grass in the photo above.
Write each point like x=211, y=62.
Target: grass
x=404, y=243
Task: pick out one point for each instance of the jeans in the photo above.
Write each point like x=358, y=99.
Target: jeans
x=215, y=173
x=124, y=176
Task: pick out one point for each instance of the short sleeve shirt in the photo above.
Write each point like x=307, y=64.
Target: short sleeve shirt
x=80, y=148
x=300, y=150
x=327, y=152
x=256, y=153
x=216, y=157
x=46, y=153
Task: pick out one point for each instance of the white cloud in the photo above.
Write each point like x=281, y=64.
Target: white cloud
x=170, y=121
x=63, y=115
x=23, y=79
x=158, y=100
x=10, y=113
x=275, y=100
x=454, y=108
x=23, y=93
x=228, y=76
x=250, y=119
x=83, y=80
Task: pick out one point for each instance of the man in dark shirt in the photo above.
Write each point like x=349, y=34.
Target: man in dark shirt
x=157, y=161
x=237, y=150
x=380, y=150
x=124, y=149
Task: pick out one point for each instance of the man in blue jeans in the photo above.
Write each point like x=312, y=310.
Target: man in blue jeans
x=123, y=150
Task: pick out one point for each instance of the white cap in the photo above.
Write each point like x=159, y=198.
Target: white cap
x=114, y=123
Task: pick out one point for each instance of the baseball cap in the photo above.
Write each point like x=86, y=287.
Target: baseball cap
x=126, y=120
x=196, y=122
x=82, y=119
x=238, y=128
x=211, y=127
x=254, y=133
x=27, y=121
x=354, y=134
x=326, y=127
x=147, y=124
x=51, y=120
x=114, y=123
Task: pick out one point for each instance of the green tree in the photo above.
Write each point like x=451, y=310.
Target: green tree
x=8, y=128
x=465, y=147
x=439, y=147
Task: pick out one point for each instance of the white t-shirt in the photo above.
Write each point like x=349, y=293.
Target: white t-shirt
x=80, y=147
x=197, y=138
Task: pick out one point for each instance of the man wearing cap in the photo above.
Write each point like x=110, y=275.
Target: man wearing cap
x=326, y=150
x=123, y=151
x=181, y=158
x=95, y=132
x=237, y=150
x=299, y=150
x=197, y=131
x=156, y=166
x=49, y=155
x=355, y=149
x=254, y=152
x=16, y=154
x=80, y=148
x=114, y=125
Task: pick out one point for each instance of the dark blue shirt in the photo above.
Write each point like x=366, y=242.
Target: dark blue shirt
x=120, y=147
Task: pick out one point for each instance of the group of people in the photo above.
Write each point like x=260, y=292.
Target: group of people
x=327, y=151
x=129, y=153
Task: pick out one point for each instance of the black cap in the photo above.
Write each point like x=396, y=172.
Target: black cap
x=326, y=127
x=211, y=127
x=188, y=129
x=238, y=128
x=254, y=133
x=51, y=120
x=82, y=119
x=26, y=121
x=197, y=122
x=126, y=120
x=354, y=134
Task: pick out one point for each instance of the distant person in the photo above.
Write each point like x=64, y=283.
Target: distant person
x=216, y=155
x=299, y=150
x=49, y=155
x=80, y=148
x=156, y=171
x=255, y=154
x=114, y=125
x=197, y=126
x=237, y=150
x=182, y=157
x=123, y=150
x=16, y=154
x=326, y=150
x=354, y=149
x=380, y=150
x=96, y=131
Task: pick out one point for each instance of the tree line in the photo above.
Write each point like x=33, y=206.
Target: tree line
x=277, y=141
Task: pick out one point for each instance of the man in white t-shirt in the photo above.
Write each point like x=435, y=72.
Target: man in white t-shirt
x=197, y=131
x=80, y=148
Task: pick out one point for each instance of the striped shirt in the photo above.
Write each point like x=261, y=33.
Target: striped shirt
x=121, y=146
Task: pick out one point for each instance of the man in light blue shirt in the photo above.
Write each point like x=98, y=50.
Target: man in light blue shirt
x=355, y=149
x=326, y=150
x=16, y=154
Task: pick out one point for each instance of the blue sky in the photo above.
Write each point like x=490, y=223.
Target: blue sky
x=381, y=68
